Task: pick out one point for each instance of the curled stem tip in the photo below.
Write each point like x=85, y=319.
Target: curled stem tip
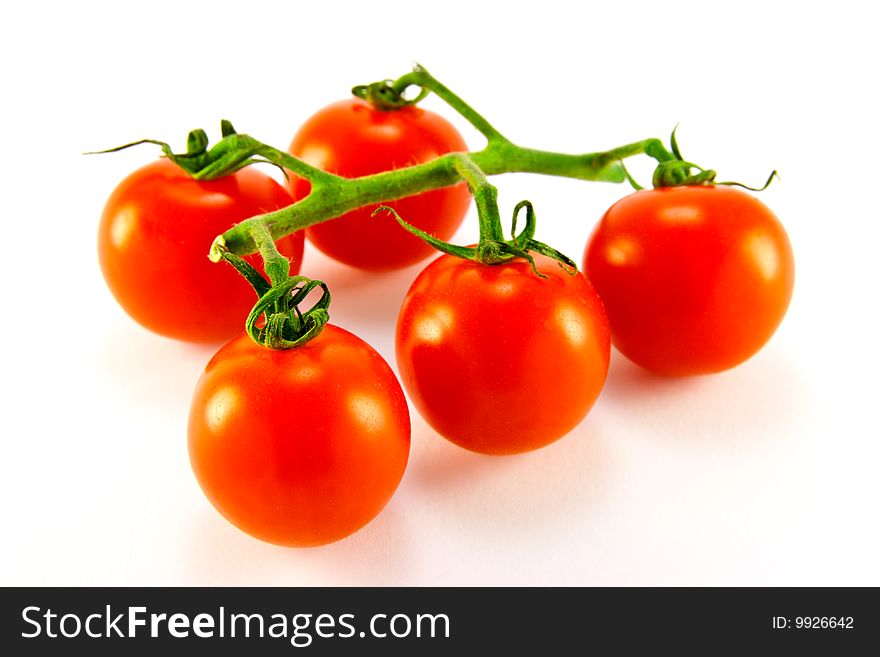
x=386, y=96
x=774, y=175
x=285, y=325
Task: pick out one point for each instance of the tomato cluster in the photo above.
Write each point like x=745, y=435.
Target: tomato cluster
x=304, y=446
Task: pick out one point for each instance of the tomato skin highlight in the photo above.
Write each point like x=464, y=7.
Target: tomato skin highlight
x=153, y=241
x=299, y=447
x=498, y=360
x=695, y=280
x=351, y=138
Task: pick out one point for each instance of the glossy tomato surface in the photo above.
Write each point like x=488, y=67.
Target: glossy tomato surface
x=351, y=138
x=299, y=447
x=153, y=242
x=695, y=280
x=498, y=360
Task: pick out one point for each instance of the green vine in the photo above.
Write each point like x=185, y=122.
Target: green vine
x=332, y=196
x=276, y=320
x=492, y=248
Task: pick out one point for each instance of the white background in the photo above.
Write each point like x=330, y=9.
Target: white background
x=762, y=475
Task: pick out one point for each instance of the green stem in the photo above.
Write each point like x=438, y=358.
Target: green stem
x=421, y=78
x=276, y=265
x=492, y=248
x=227, y=154
x=333, y=196
x=485, y=196
x=283, y=159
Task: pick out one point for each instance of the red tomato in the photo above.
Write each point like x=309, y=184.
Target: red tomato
x=498, y=360
x=351, y=138
x=153, y=243
x=694, y=279
x=303, y=446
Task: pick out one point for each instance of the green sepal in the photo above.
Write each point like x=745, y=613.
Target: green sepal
x=385, y=96
x=492, y=251
x=286, y=326
x=467, y=252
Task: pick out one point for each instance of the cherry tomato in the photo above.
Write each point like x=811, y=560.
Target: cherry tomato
x=303, y=446
x=351, y=138
x=498, y=360
x=153, y=242
x=694, y=279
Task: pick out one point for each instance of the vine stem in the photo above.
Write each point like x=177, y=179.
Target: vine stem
x=332, y=196
x=421, y=78
x=276, y=265
x=485, y=196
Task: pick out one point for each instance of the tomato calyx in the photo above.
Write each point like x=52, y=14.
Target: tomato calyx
x=276, y=321
x=385, y=96
x=674, y=171
x=233, y=152
x=492, y=250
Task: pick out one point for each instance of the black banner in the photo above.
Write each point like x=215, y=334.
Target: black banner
x=436, y=621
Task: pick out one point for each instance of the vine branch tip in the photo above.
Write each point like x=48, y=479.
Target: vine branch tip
x=218, y=247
